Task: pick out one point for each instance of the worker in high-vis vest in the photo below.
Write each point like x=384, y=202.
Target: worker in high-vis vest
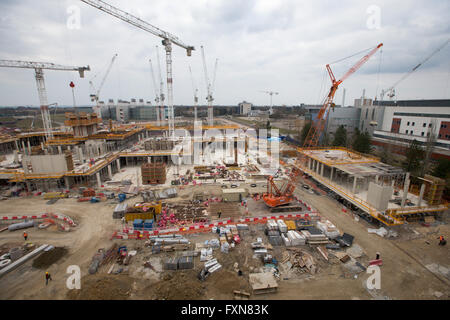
x=442, y=241
x=25, y=236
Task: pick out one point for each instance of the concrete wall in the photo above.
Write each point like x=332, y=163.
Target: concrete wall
x=379, y=196
x=50, y=163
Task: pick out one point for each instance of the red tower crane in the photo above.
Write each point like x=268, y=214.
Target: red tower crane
x=312, y=139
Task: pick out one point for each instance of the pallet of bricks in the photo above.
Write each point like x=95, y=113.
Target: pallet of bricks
x=153, y=173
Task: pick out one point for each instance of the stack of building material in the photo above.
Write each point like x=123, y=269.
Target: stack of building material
x=296, y=238
x=328, y=228
x=153, y=173
x=282, y=226
x=153, y=144
x=171, y=264
x=286, y=240
x=242, y=226
x=212, y=265
x=290, y=224
x=185, y=263
x=120, y=210
x=271, y=225
x=314, y=236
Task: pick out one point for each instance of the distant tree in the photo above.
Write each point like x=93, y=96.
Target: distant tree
x=340, y=137
x=361, y=141
x=414, y=157
x=268, y=125
x=325, y=142
x=305, y=131
x=442, y=170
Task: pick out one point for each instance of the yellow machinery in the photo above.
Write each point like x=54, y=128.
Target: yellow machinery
x=144, y=210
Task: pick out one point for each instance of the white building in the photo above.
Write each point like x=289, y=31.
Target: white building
x=245, y=107
x=405, y=121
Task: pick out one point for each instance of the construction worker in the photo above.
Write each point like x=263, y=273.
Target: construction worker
x=140, y=236
x=47, y=277
x=378, y=256
x=25, y=235
x=219, y=213
x=442, y=241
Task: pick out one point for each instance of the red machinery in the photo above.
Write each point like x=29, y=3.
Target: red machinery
x=313, y=137
x=280, y=196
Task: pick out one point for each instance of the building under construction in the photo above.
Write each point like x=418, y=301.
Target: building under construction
x=374, y=189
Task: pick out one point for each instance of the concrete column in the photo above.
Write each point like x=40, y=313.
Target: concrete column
x=110, y=171
x=28, y=185
x=354, y=185
x=68, y=148
x=321, y=169
x=422, y=190
x=149, y=159
x=42, y=145
x=66, y=182
x=331, y=175
x=16, y=157
x=376, y=179
x=80, y=154
x=29, y=146
x=59, y=150
x=17, y=145
x=309, y=163
x=24, y=150
x=99, y=181
x=405, y=189
x=118, y=164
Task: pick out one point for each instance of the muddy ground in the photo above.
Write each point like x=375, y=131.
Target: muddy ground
x=414, y=266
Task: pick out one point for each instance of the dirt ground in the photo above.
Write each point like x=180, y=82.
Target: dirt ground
x=414, y=266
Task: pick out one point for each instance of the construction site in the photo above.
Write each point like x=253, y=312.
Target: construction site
x=209, y=210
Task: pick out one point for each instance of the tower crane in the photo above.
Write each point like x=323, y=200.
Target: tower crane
x=316, y=130
x=195, y=90
x=95, y=96
x=156, y=93
x=391, y=90
x=271, y=93
x=162, y=114
x=209, y=88
x=167, y=41
x=40, y=83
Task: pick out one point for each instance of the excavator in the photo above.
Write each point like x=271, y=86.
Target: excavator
x=276, y=197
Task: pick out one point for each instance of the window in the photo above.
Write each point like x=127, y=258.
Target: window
x=413, y=124
x=407, y=123
x=373, y=114
x=423, y=133
x=429, y=125
x=406, y=131
x=411, y=133
x=424, y=125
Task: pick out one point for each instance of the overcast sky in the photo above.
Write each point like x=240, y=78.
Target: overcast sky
x=261, y=45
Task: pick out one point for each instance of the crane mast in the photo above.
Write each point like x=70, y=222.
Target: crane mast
x=161, y=113
x=156, y=93
x=271, y=93
x=40, y=84
x=167, y=40
x=209, y=88
x=316, y=130
x=195, y=90
x=95, y=97
x=391, y=90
